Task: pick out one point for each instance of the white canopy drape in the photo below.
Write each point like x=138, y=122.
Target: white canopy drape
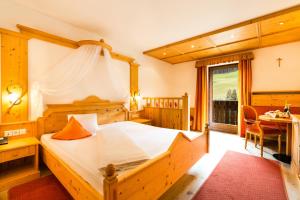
x=69, y=73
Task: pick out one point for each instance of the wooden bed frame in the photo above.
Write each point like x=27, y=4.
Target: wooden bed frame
x=147, y=181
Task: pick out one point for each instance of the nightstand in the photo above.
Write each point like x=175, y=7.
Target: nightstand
x=142, y=121
x=19, y=162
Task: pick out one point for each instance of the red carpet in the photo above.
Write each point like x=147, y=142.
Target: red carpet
x=243, y=177
x=46, y=188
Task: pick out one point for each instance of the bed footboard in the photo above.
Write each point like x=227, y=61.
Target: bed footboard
x=151, y=179
x=76, y=186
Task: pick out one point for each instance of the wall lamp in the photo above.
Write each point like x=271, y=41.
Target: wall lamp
x=135, y=96
x=15, y=93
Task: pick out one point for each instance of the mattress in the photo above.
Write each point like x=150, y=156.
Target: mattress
x=113, y=143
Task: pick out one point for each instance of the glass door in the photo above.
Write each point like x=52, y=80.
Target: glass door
x=223, y=100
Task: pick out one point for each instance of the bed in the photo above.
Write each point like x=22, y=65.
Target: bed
x=167, y=154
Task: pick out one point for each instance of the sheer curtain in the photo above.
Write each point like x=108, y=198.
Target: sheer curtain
x=61, y=78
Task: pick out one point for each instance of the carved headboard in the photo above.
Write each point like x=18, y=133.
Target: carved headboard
x=55, y=116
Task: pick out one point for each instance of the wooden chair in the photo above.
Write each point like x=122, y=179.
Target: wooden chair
x=254, y=127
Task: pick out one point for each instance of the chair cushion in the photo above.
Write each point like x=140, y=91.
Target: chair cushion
x=252, y=129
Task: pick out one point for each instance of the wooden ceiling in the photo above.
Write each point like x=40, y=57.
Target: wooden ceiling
x=273, y=29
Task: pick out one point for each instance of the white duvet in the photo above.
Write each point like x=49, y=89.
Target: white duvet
x=115, y=143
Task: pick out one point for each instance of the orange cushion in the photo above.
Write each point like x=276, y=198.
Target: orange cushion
x=72, y=131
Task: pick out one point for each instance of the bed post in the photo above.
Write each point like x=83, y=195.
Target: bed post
x=186, y=112
x=110, y=183
x=206, y=132
x=40, y=125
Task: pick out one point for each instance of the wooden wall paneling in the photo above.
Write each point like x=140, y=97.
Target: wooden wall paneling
x=165, y=118
x=157, y=116
x=134, y=84
x=177, y=119
x=34, y=33
x=30, y=126
x=281, y=37
x=154, y=114
x=171, y=118
x=280, y=23
x=95, y=42
x=273, y=29
x=169, y=114
x=121, y=57
x=186, y=112
x=238, y=34
x=240, y=46
x=205, y=53
x=13, y=33
x=146, y=113
x=164, y=53
x=14, y=70
x=275, y=98
x=195, y=45
x=178, y=59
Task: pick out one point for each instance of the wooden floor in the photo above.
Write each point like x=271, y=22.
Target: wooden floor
x=189, y=184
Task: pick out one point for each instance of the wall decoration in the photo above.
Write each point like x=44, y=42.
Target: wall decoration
x=176, y=103
x=157, y=103
x=161, y=103
x=171, y=103
x=279, y=61
x=166, y=103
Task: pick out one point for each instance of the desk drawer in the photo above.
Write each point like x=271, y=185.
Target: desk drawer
x=17, y=153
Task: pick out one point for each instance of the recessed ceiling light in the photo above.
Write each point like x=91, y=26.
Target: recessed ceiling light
x=281, y=23
x=192, y=46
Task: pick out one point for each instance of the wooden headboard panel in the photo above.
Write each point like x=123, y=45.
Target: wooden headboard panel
x=55, y=116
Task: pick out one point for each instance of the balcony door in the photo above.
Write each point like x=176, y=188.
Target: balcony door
x=223, y=100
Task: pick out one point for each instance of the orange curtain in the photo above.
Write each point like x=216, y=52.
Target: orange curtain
x=245, y=85
x=201, y=102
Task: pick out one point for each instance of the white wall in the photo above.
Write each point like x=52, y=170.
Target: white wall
x=267, y=76
x=184, y=80
x=154, y=75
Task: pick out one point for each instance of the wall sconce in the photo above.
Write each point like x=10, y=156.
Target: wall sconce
x=136, y=96
x=15, y=93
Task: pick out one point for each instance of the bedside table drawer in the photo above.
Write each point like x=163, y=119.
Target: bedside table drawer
x=17, y=153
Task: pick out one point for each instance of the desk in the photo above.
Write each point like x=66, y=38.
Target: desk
x=288, y=122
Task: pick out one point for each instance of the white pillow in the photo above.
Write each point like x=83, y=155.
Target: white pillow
x=88, y=121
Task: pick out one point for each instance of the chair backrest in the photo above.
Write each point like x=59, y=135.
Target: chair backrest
x=250, y=114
